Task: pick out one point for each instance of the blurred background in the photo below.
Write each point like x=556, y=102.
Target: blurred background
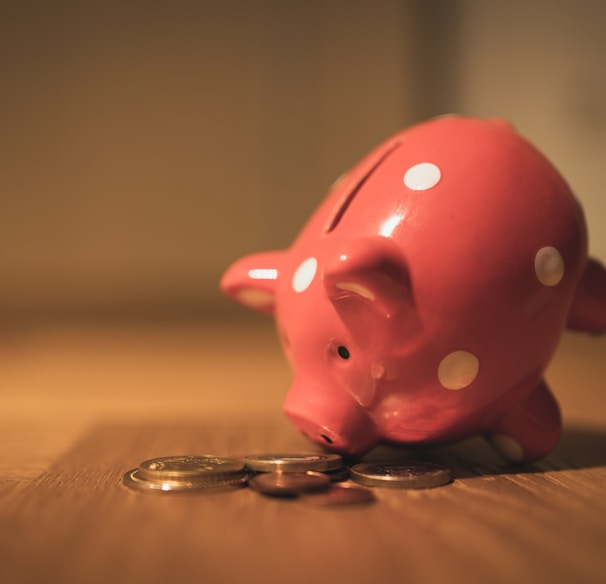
x=144, y=145
x=147, y=144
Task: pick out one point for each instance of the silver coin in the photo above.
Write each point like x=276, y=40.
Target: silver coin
x=133, y=480
x=288, y=483
x=401, y=475
x=207, y=467
x=293, y=462
x=342, y=494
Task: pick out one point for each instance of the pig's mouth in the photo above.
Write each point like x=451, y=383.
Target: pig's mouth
x=347, y=438
x=334, y=421
x=322, y=439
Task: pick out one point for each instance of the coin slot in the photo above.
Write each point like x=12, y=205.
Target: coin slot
x=349, y=196
x=326, y=438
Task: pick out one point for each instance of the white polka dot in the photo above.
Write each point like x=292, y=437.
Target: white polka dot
x=508, y=447
x=304, y=275
x=423, y=176
x=549, y=266
x=458, y=369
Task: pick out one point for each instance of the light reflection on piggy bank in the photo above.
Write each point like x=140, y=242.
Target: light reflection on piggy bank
x=423, y=300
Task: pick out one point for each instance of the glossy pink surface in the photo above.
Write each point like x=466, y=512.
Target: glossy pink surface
x=424, y=298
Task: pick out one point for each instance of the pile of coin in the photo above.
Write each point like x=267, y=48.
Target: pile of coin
x=321, y=479
x=315, y=477
x=186, y=473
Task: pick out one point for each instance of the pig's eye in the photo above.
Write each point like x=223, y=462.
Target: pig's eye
x=343, y=352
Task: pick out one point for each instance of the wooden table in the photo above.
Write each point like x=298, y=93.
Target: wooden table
x=82, y=404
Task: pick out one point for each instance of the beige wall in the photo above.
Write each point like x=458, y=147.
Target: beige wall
x=145, y=145
x=542, y=64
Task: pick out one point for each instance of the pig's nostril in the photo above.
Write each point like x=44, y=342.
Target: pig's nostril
x=326, y=438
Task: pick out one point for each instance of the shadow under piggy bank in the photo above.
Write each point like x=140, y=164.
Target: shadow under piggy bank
x=580, y=447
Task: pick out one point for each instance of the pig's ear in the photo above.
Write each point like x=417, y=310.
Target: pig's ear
x=369, y=273
x=252, y=280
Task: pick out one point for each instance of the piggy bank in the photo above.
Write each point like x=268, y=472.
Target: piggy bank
x=424, y=298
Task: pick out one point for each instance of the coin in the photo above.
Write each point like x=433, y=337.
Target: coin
x=293, y=462
x=400, y=475
x=133, y=480
x=288, y=483
x=207, y=467
x=341, y=474
x=342, y=494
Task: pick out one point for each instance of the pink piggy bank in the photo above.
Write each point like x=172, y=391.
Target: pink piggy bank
x=423, y=300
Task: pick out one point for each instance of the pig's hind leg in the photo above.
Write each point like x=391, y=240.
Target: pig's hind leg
x=530, y=430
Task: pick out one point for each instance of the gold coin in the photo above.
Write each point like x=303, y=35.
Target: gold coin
x=205, y=467
x=133, y=480
x=400, y=475
x=293, y=462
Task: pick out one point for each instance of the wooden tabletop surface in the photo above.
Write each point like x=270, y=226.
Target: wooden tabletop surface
x=80, y=405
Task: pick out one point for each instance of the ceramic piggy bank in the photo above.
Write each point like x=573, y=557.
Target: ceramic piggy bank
x=423, y=300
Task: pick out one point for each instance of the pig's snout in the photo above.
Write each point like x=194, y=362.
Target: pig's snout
x=336, y=423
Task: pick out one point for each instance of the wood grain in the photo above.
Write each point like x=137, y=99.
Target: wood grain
x=75, y=522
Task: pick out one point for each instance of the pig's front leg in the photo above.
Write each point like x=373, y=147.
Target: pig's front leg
x=531, y=429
